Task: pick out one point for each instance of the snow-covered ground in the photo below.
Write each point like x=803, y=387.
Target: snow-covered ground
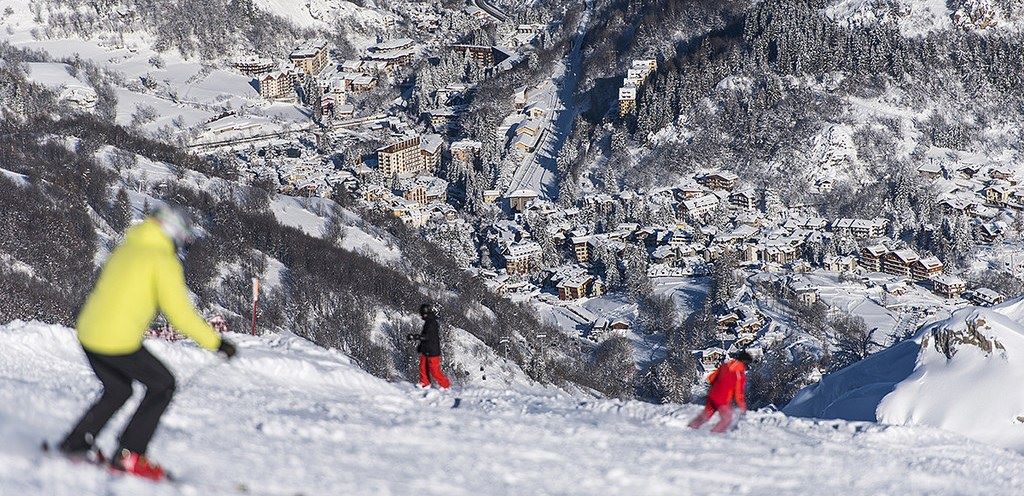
x=287, y=417
x=957, y=374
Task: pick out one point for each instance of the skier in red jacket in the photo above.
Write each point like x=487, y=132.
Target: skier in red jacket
x=727, y=384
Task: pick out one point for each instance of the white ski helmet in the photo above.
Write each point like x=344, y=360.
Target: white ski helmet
x=177, y=224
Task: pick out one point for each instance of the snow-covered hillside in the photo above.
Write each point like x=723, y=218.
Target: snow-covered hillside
x=920, y=17
x=287, y=417
x=957, y=374
x=327, y=13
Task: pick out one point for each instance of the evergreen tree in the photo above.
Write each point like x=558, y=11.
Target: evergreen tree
x=121, y=211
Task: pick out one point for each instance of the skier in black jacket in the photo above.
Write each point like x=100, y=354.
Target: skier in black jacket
x=430, y=349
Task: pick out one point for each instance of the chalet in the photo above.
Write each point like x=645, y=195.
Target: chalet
x=743, y=340
x=860, y=228
x=519, y=199
x=997, y=194
x=424, y=189
x=352, y=66
x=799, y=266
x=803, y=292
x=985, y=297
x=989, y=232
x=344, y=111
x=871, y=257
x=527, y=142
x=536, y=110
x=520, y=97
x=926, y=268
x=603, y=329
x=522, y=257
x=491, y=195
x=726, y=321
x=948, y=286
x=711, y=358
x=1001, y=174
x=899, y=262
x=968, y=171
x=689, y=190
x=719, y=180
x=699, y=206
x=896, y=288
x=779, y=251
x=442, y=118
x=840, y=264
x=466, y=150
x=955, y=205
x=744, y=198
x=277, y=85
x=581, y=286
x=452, y=92
x=931, y=170
x=363, y=83
x=412, y=215
x=664, y=255
x=531, y=127
x=478, y=13
x=482, y=55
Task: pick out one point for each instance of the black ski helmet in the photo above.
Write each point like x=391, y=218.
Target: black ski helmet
x=743, y=356
x=427, y=309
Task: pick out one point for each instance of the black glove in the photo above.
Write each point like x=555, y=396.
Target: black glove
x=227, y=349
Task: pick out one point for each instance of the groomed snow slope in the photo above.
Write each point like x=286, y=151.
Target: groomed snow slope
x=961, y=374
x=287, y=417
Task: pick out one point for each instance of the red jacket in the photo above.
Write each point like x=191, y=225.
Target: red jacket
x=727, y=383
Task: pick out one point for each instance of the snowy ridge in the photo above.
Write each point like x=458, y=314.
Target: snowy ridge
x=954, y=374
x=287, y=417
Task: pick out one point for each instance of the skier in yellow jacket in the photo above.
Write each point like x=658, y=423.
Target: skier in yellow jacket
x=142, y=276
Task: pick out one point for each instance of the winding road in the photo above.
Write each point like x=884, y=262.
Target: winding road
x=491, y=9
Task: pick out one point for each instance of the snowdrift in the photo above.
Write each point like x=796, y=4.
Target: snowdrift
x=961, y=374
x=286, y=417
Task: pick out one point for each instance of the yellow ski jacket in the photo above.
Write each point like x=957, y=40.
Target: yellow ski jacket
x=143, y=275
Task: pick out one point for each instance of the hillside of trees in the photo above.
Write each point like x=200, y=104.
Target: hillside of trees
x=67, y=177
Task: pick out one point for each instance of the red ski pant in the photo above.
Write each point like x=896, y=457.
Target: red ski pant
x=724, y=417
x=430, y=368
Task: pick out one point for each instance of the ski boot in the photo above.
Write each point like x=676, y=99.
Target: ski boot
x=132, y=463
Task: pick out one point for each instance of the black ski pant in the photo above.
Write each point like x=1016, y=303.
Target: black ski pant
x=117, y=372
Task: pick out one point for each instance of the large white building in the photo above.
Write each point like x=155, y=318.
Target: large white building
x=412, y=154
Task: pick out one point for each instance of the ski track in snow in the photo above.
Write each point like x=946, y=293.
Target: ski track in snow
x=287, y=417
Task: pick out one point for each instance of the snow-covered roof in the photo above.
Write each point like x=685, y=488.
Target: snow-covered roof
x=906, y=255
x=431, y=143
x=392, y=45
x=524, y=193
x=949, y=280
x=309, y=48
